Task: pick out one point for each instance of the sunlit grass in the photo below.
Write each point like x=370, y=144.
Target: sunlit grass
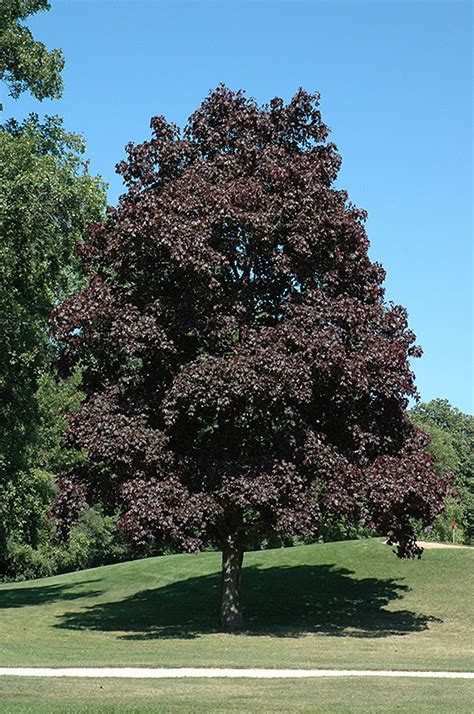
x=351, y=604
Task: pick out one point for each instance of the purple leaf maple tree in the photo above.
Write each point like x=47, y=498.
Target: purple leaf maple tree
x=243, y=372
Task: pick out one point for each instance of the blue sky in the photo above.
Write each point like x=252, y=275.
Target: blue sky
x=396, y=89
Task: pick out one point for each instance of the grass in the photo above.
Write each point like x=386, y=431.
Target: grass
x=351, y=604
x=367, y=696
x=342, y=605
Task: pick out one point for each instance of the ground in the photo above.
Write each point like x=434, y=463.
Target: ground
x=368, y=696
x=336, y=605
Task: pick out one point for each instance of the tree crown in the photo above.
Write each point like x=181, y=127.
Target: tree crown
x=25, y=63
x=243, y=370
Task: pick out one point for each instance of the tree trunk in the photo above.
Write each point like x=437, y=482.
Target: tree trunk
x=231, y=605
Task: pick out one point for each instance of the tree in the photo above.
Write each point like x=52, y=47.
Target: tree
x=453, y=429
x=452, y=445
x=47, y=202
x=25, y=63
x=243, y=374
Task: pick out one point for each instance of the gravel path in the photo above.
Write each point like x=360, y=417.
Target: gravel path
x=432, y=544
x=149, y=673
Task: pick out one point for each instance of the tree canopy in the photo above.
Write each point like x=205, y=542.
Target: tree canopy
x=452, y=430
x=25, y=63
x=242, y=370
x=47, y=202
x=452, y=445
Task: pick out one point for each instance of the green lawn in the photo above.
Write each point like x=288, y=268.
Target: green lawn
x=344, y=605
x=367, y=696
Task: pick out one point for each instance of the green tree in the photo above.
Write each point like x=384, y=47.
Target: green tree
x=25, y=63
x=452, y=444
x=47, y=203
x=55, y=399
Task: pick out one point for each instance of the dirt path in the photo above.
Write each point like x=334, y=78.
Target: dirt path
x=148, y=673
x=430, y=544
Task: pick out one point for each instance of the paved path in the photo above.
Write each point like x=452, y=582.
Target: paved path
x=150, y=673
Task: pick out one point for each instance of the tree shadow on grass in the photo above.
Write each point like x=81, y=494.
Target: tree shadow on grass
x=279, y=601
x=42, y=594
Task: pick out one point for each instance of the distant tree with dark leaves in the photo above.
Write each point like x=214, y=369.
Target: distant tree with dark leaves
x=244, y=374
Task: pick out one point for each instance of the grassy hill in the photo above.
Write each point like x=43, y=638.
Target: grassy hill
x=345, y=605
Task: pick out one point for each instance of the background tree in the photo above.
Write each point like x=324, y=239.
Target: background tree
x=243, y=374
x=47, y=202
x=452, y=445
x=25, y=63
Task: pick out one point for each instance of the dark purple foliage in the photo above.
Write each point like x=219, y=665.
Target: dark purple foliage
x=242, y=370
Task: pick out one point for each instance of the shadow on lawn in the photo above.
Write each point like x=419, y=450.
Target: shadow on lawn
x=42, y=594
x=280, y=601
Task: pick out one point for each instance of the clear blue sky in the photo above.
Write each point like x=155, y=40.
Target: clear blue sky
x=395, y=81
